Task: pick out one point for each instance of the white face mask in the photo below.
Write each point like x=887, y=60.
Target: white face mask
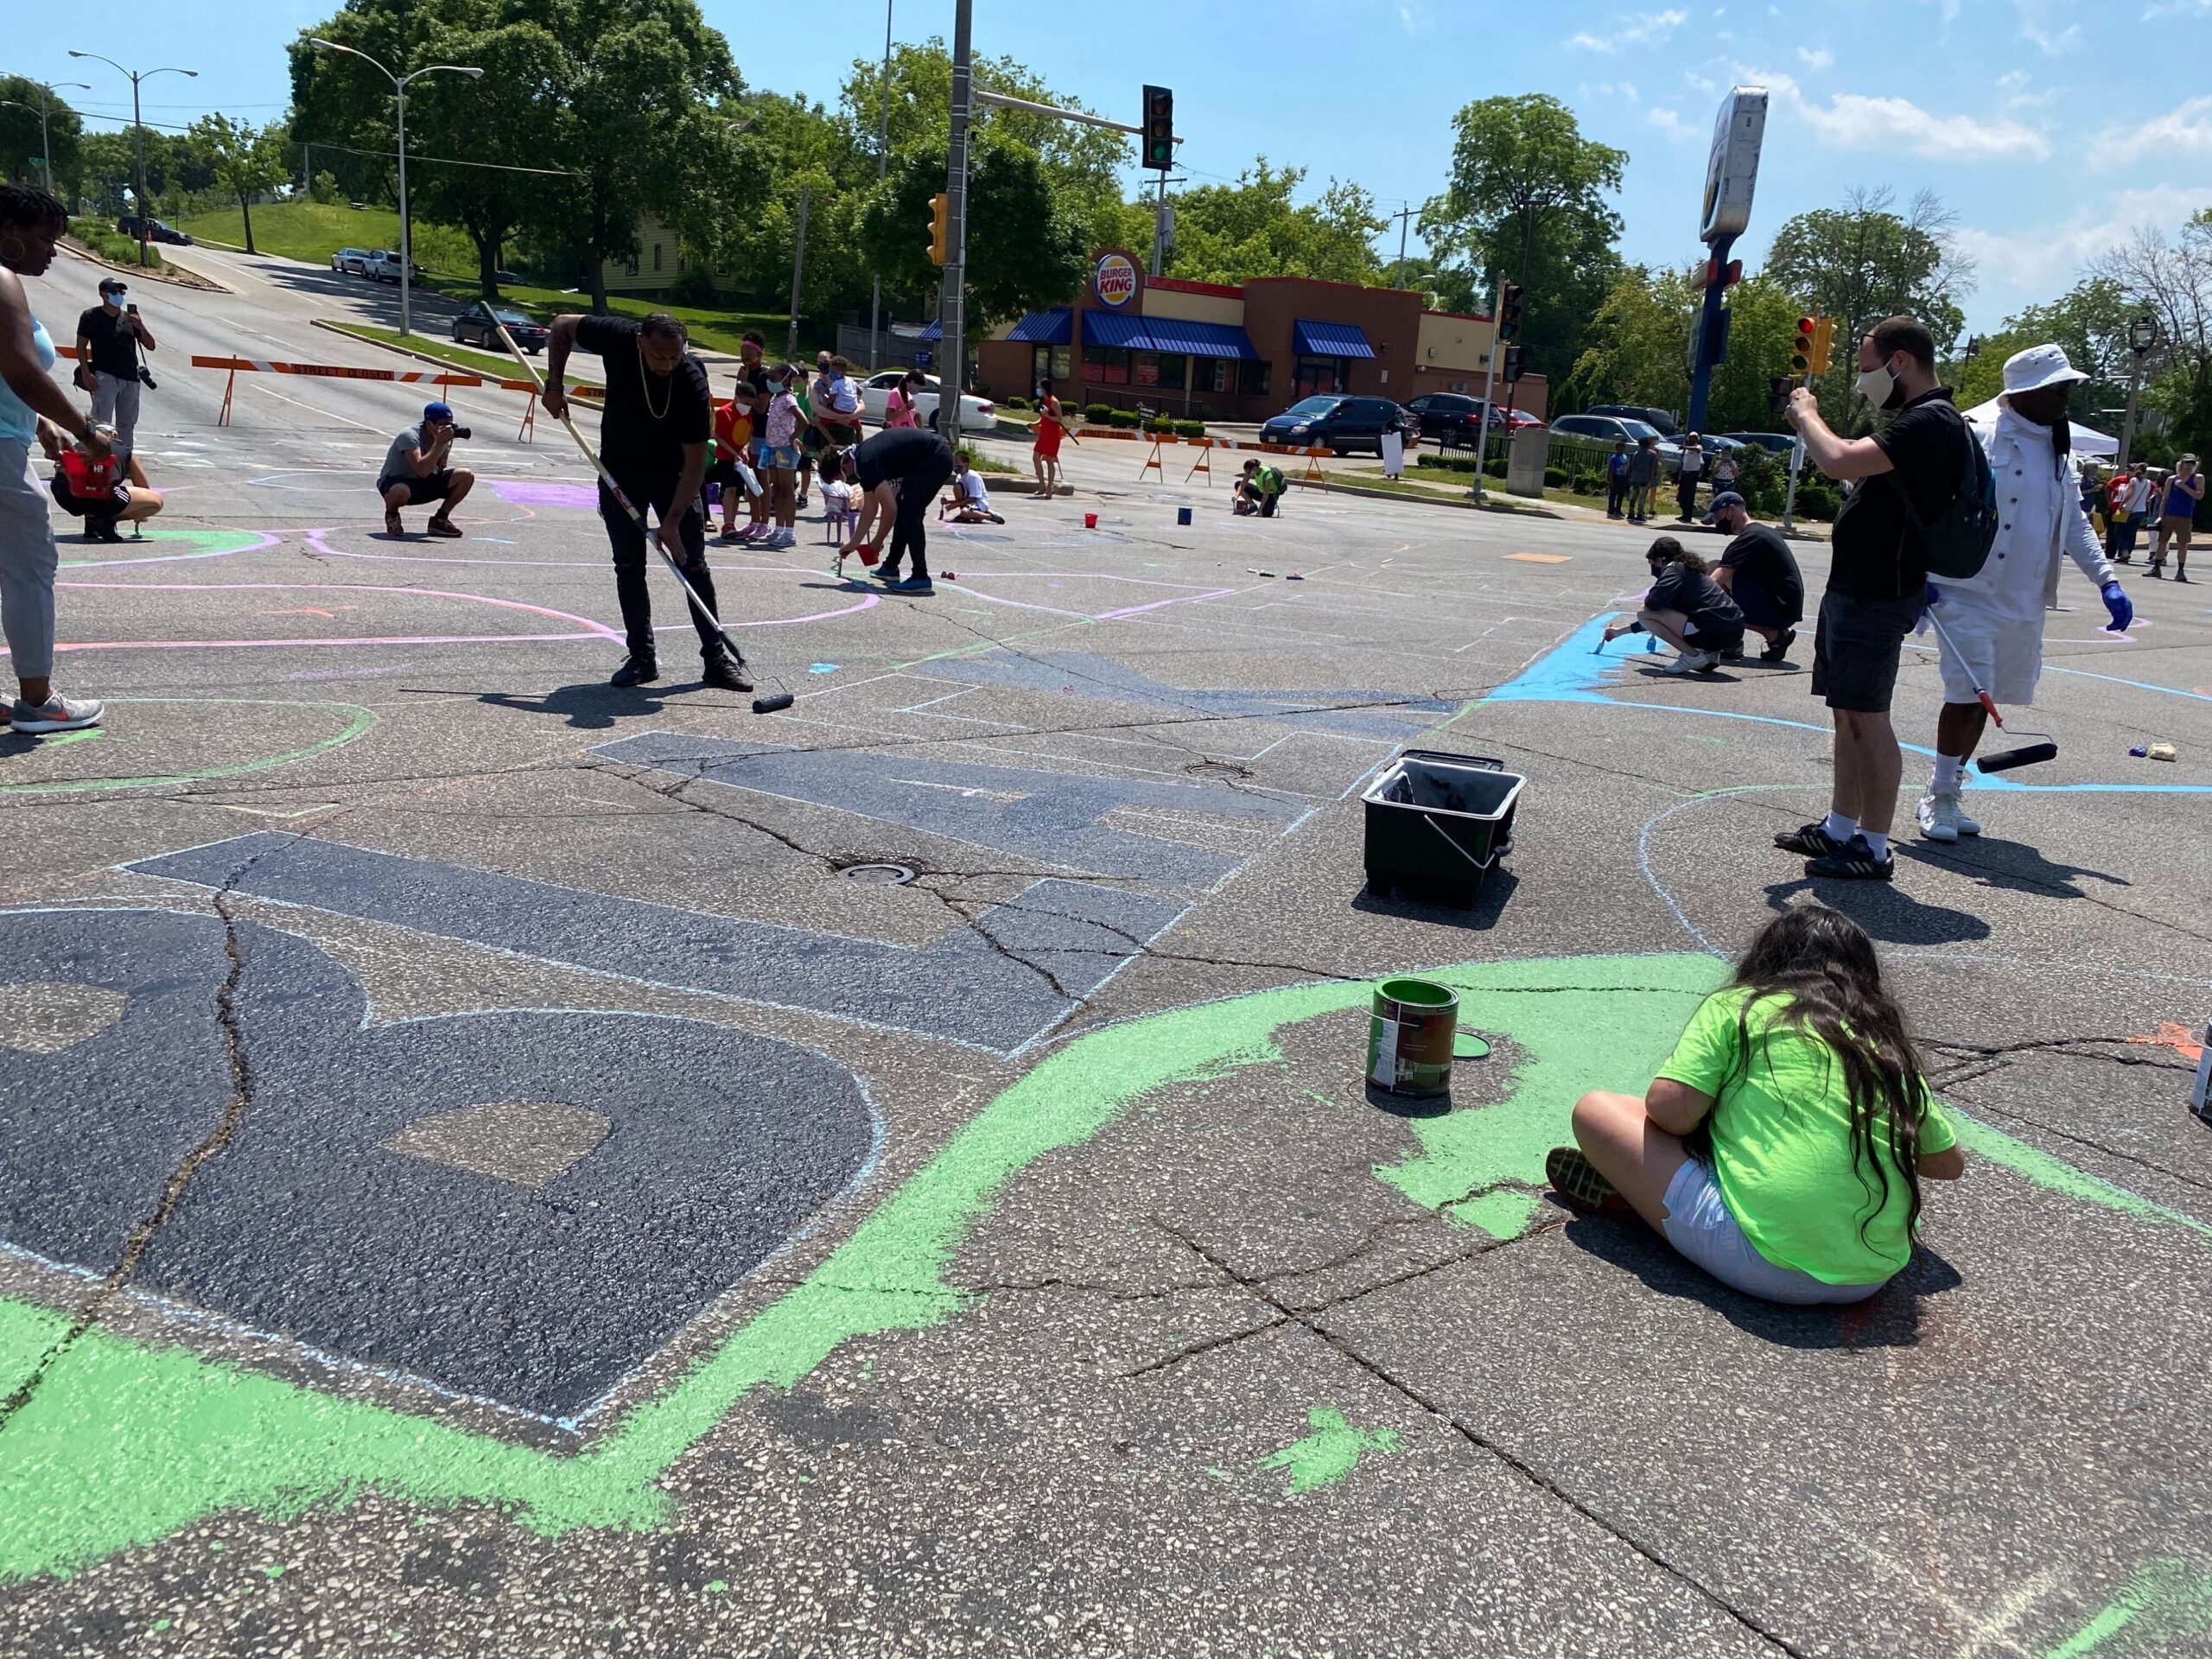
x=1878, y=387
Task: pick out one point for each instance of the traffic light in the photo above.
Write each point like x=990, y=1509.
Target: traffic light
x=1508, y=313
x=1512, y=364
x=1823, y=343
x=1160, y=128
x=1800, y=354
x=940, y=226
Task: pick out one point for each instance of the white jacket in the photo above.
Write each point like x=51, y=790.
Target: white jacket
x=2039, y=516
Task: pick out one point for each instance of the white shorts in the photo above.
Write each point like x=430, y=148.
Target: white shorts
x=1700, y=1226
x=2005, y=654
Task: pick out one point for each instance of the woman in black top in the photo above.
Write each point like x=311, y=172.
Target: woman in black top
x=1687, y=608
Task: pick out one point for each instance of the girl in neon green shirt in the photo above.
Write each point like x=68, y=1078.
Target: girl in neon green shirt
x=1783, y=1145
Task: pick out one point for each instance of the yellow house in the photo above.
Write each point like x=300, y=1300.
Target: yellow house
x=660, y=259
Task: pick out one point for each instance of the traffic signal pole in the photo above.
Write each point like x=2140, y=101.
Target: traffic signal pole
x=1708, y=332
x=953, y=303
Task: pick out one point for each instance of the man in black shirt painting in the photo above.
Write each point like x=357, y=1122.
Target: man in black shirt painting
x=1760, y=574
x=653, y=439
x=1876, y=578
x=899, y=472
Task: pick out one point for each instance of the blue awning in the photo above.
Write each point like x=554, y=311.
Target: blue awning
x=1052, y=327
x=1171, y=334
x=909, y=331
x=1329, y=339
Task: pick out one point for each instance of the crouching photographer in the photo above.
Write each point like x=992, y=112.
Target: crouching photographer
x=416, y=472
x=95, y=488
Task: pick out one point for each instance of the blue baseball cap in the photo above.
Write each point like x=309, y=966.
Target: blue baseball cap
x=437, y=411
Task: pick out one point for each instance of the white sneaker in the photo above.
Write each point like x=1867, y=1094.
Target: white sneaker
x=1693, y=662
x=56, y=714
x=1939, y=815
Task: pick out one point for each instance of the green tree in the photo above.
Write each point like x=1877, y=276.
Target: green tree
x=1526, y=196
x=1232, y=232
x=19, y=134
x=1638, y=346
x=1025, y=250
x=621, y=95
x=2089, y=320
x=2171, y=282
x=246, y=160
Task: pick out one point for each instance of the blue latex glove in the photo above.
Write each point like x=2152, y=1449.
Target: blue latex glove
x=2116, y=602
x=1930, y=596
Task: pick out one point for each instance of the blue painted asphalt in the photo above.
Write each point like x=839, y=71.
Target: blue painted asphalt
x=723, y=1146
x=1058, y=935
x=1050, y=817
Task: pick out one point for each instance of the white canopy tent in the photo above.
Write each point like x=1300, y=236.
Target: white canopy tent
x=2087, y=440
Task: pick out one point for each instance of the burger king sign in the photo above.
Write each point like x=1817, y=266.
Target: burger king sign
x=1114, y=280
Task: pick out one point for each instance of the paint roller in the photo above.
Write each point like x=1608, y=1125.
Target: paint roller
x=2027, y=754
x=768, y=704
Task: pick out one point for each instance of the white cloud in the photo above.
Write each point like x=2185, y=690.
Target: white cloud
x=1600, y=91
x=1630, y=29
x=1671, y=124
x=2025, y=267
x=1698, y=83
x=2035, y=29
x=2186, y=129
x=1819, y=59
x=1857, y=121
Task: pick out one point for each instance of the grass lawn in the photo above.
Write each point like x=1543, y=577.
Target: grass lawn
x=313, y=231
x=99, y=236
x=491, y=365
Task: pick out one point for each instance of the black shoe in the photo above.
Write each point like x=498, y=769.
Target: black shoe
x=1809, y=840
x=1856, y=862
x=1779, y=651
x=1576, y=1183
x=1734, y=654
x=723, y=671
x=102, y=530
x=636, y=670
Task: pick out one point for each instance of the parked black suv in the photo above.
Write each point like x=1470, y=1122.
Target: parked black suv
x=144, y=229
x=1451, y=419
x=1339, y=424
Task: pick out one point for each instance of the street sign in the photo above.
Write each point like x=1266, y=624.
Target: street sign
x=922, y=359
x=1733, y=167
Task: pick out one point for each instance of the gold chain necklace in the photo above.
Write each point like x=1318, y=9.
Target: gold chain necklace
x=646, y=390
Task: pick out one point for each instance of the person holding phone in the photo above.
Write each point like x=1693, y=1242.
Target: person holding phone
x=109, y=336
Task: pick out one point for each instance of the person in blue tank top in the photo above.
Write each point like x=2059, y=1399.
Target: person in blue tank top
x=31, y=221
x=2178, y=518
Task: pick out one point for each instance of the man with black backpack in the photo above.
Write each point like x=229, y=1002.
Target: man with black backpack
x=1923, y=495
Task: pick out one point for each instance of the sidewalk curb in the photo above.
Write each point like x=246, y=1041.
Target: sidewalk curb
x=1486, y=506
x=205, y=284
x=344, y=333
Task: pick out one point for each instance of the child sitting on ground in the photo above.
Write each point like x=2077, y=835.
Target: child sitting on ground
x=1687, y=608
x=1783, y=1145
x=969, y=503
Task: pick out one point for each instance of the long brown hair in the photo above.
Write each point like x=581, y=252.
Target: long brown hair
x=1823, y=964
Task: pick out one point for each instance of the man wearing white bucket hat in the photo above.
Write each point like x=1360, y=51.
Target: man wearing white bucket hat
x=1995, y=617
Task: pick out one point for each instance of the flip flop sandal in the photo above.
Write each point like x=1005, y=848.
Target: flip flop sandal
x=391, y=524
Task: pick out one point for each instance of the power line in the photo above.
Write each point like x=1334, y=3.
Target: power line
x=378, y=154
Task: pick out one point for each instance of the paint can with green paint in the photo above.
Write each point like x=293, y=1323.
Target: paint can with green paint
x=1410, y=1026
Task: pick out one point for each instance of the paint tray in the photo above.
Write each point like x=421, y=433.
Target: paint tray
x=1440, y=823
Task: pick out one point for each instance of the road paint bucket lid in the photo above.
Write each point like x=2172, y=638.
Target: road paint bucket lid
x=1411, y=1028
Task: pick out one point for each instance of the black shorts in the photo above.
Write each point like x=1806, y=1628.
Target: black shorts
x=1759, y=606
x=724, y=471
x=435, y=488
x=1708, y=633
x=1855, y=652
x=77, y=506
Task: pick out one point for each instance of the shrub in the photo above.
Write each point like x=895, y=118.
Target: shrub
x=1187, y=428
x=1013, y=402
x=1495, y=467
x=1125, y=419
x=1817, y=498
x=1447, y=463
x=1203, y=411
x=324, y=190
x=1098, y=412
x=1556, y=478
x=1589, y=484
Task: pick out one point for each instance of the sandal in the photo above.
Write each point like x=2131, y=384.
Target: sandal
x=391, y=524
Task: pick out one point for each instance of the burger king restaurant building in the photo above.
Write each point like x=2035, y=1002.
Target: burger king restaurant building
x=1243, y=353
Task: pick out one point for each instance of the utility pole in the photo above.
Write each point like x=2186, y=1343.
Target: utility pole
x=882, y=162
x=45, y=138
x=798, y=266
x=2142, y=335
x=952, y=302
x=1490, y=384
x=1404, y=216
x=138, y=136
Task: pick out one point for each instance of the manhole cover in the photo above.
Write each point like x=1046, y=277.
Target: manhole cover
x=1218, y=769
x=878, y=875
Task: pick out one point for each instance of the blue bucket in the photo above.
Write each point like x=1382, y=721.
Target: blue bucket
x=1182, y=515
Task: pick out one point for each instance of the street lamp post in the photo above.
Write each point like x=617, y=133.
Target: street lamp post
x=399, y=93
x=2142, y=335
x=46, y=90
x=139, y=135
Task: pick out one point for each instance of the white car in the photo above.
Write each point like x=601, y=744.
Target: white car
x=382, y=266
x=976, y=415
x=351, y=262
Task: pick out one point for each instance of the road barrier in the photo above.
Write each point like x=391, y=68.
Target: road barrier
x=1312, y=475
x=234, y=366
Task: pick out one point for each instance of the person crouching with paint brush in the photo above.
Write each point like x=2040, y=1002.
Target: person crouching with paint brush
x=1687, y=608
x=1995, y=617
x=652, y=439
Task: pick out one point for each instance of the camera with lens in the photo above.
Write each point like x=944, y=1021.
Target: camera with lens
x=146, y=378
x=463, y=432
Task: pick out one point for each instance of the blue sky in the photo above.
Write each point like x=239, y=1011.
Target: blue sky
x=2014, y=110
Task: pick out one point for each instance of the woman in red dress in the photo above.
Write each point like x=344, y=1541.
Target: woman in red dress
x=1045, y=455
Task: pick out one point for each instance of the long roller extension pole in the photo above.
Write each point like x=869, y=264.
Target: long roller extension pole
x=2028, y=754
x=760, y=705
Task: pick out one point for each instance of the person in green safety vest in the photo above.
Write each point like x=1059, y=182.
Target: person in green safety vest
x=1259, y=489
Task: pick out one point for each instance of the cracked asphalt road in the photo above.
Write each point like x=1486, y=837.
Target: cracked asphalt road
x=1111, y=1217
